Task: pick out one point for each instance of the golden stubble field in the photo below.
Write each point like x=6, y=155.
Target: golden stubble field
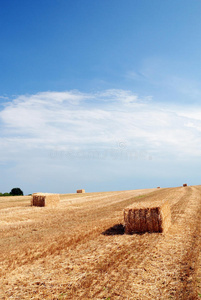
x=78, y=250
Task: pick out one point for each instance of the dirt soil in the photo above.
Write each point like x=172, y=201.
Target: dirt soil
x=79, y=250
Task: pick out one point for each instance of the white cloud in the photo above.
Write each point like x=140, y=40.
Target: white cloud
x=78, y=120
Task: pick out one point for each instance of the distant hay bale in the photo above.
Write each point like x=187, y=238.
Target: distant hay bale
x=147, y=217
x=80, y=191
x=185, y=184
x=45, y=199
x=158, y=187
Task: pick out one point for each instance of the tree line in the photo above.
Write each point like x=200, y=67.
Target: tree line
x=13, y=192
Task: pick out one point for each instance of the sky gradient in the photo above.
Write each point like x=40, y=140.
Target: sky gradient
x=102, y=95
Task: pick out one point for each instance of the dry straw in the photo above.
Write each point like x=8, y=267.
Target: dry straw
x=80, y=191
x=147, y=217
x=45, y=199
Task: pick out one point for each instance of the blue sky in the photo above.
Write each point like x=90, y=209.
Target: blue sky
x=101, y=95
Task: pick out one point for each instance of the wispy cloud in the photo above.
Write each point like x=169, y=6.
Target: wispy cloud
x=79, y=120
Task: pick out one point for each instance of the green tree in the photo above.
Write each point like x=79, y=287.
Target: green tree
x=16, y=192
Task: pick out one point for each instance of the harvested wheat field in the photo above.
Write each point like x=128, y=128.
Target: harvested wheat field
x=79, y=249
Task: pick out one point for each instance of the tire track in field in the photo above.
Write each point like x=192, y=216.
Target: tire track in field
x=197, y=265
x=190, y=266
x=179, y=207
